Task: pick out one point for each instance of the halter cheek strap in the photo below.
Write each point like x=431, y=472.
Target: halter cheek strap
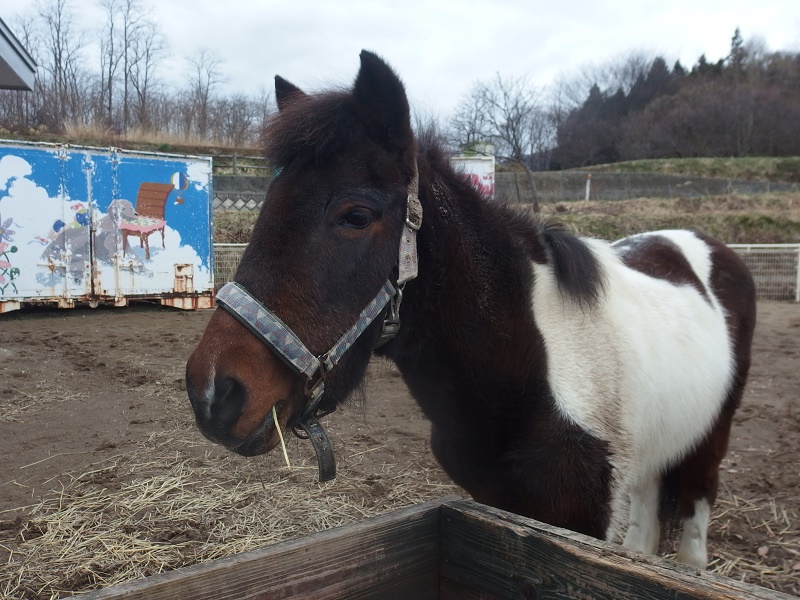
x=279, y=338
x=408, y=263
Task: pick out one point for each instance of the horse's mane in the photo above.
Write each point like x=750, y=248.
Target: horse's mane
x=577, y=271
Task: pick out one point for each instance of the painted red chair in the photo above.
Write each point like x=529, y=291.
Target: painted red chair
x=149, y=217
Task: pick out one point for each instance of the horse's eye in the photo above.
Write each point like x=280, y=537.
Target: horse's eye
x=357, y=218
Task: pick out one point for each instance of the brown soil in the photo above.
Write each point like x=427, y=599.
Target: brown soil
x=82, y=387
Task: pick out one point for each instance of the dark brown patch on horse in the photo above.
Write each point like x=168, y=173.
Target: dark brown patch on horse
x=495, y=427
x=660, y=257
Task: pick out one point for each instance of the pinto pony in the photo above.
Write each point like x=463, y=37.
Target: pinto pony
x=566, y=379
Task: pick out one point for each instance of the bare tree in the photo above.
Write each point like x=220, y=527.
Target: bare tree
x=66, y=80
x=147, y=49
x=18, y=108
x=122, y=90
x=110, y=57
x=570, y=91
x=235, y=119
x=207, y=77
x=132, y=22
x=468, y=125
x=130, y=47
x=265, y=108
x=510, y=113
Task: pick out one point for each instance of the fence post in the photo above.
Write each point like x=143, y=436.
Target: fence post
x=234, y=163
x=588, y=186
x=797, y=282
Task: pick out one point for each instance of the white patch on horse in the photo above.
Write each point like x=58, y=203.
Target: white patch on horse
x=209, y=393
x=646, y=370
x=692, y=549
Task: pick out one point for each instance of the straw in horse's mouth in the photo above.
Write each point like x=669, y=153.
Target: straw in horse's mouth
x=256, y=442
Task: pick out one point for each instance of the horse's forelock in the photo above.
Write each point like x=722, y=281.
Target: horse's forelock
x=311, y=128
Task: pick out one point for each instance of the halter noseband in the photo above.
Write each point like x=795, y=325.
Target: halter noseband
x=279, y=338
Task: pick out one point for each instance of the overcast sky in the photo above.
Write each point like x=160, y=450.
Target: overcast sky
x=441, y=48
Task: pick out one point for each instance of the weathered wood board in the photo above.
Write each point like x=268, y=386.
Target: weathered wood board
x=488, y=553
x=394, y=556
x=449, y=549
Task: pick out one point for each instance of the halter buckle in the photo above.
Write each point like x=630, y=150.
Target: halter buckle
x=391, y=324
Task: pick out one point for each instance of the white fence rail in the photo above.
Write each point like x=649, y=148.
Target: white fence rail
x=775, y=267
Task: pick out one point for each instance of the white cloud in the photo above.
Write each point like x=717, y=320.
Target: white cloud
x=12, y=167
x=199, y=174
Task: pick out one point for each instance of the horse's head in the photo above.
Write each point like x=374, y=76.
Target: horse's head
x=323, y=248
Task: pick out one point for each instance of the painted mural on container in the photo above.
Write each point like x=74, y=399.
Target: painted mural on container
x=99, y=224
x=478, y=170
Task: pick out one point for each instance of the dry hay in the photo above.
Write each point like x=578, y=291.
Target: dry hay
x=757, y=541
x=179, y=501
x=38, y=394
x=168, y=507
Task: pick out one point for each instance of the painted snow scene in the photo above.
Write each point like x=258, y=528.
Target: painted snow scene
x=91, y=224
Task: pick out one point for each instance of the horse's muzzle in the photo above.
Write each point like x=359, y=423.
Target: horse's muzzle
x=217, y=412
x=258, y=441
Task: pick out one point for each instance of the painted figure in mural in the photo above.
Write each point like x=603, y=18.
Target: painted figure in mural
x=73, y=240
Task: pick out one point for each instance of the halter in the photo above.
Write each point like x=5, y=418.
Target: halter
x=279, y=338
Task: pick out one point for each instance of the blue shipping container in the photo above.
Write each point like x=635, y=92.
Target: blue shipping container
x=93, y=225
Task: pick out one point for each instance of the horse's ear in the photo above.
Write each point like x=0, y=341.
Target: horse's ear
x=382, y=105
x=285, y=92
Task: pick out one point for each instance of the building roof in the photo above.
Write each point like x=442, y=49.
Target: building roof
x=17, y=68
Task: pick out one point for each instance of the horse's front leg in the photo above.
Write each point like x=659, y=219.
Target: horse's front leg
x=644, y=529
x=693, y=547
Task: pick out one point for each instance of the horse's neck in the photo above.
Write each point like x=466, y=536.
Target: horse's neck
x=465, y=317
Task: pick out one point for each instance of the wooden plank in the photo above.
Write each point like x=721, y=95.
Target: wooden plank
x=491, y=554
x=391, y=556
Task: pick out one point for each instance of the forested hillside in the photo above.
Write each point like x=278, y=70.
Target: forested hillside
x=745, y=104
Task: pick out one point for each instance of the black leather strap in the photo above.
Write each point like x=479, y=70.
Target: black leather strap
x=322, y=446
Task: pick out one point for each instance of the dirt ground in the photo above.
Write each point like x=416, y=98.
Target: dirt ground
x=82, y=387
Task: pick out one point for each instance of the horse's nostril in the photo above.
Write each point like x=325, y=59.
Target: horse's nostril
x=228, y=402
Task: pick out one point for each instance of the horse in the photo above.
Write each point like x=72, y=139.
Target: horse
x=578, y=382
